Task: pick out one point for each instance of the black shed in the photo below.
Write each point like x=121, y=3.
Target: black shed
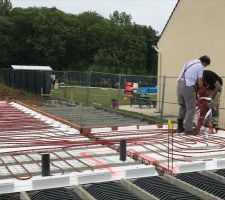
x=34, y=79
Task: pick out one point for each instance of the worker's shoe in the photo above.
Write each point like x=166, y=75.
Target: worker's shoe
x=180, y=126
x=193, y=132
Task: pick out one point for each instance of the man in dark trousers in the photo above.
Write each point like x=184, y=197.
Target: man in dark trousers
x=213, y=84
x=190, y=75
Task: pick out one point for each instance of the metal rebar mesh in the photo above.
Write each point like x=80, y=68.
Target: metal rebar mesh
x=55, y=194
x=109, y=191
x=163, y=190
x=205, y=183
x=85, y=115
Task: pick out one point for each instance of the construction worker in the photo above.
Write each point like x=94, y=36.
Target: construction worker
x=190, y=75
x=213, y=84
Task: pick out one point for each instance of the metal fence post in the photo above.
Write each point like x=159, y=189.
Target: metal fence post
x=163, y=97
x=66, y=82
x=88, y=85
x=119, y=90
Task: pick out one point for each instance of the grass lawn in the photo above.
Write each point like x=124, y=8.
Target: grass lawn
x=99, y=96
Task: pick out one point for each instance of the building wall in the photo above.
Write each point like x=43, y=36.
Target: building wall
x=196, y=28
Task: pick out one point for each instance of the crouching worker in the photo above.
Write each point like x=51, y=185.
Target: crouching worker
x=213, y=84
x=190, y=75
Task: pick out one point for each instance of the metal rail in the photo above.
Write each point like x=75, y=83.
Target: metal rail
x=110, y=190
x=163, y=190
x=200, y=181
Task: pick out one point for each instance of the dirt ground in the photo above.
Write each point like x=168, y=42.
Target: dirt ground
x=9, y=94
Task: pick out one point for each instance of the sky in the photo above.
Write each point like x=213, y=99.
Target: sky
x=153, y=13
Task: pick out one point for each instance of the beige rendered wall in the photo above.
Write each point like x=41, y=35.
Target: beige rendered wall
x=196, y=28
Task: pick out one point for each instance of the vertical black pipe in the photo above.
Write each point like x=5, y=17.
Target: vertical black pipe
x=45, y=159
x=123, y=149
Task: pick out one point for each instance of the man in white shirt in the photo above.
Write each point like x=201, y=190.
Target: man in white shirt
x=190, y=75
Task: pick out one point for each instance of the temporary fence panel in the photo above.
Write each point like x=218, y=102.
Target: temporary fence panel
x=60, y=76
x=76, y=78
x=107, y=90
x=143, y=81
x=104, y=89
x=72, y=85
x=141, y=91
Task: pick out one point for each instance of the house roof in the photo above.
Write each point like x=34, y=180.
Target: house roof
x=28, y=67
x=178, y=1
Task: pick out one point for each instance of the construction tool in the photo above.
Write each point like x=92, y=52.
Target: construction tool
x=203, y=115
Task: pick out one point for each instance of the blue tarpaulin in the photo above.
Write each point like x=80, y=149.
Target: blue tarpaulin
x=147, y=89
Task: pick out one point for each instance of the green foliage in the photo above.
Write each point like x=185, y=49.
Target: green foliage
x=121, y=18
x=5, y=7
x=88, y=41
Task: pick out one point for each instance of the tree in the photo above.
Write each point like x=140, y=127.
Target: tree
x=6, y=44
x=48, y=36
x=121, y=18
x=5, y=7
